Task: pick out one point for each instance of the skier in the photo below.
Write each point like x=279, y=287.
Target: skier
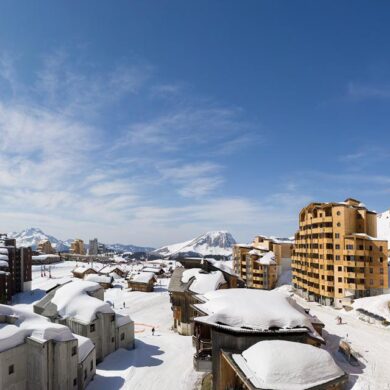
x=153, y=331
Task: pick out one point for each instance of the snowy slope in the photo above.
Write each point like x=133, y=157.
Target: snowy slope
x=383, y=220
x=216, y=243
x=129, y=248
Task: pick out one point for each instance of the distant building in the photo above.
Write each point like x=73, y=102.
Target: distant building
x=337, y=256
x=235, y=319
x=44, y=246
x=36, y=354
x=80, y=305
x=260, y=263
x=105, y=281
x=274, y=364
x=93, y=247
x=15, y=269
x=143, y=281
x=77, y=247
x=81, y=272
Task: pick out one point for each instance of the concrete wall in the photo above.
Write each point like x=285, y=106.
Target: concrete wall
x=16, y=357
x=127, y=331
x=86, y=370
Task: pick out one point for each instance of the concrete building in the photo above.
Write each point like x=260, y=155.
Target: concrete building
x=260, y=263
x=235, y=319
x=336, y=256
x=36, y=354
x=80, y=306
x=77, y=247
x=15, y=269
x=44, y=246
x=93, y=247
x=260, y=367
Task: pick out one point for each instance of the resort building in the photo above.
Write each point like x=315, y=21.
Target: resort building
x=336, y=256
x=235, y=319
x=80, y=306
x=15, y=269
x=82, y=272
x=143, y=281
x=260, y=263
x=183, y=286
x=260, y=366
x=36, y=354
x=44, y=246
x=93, y=247
x=77, y=247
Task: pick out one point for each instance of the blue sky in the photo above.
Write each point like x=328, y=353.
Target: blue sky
x=150, y=122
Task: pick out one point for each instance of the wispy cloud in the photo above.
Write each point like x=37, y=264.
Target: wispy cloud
x=362, y=91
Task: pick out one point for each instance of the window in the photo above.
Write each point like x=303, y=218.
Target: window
x=349, y=247
x=74, y=350
x=381, y=259
x=381, y=270
x=337, y=235
x=11, y=369
x=85, y=373
x=91, y=366
x=371, y=282
x=370, y=247
x=339, y=268
x=122, y=336
x=75, y=382
x=337, y=257
x=112, y=339
x=92, y=328
x=338, y=213
x=371, y=270
x=337, y=246
x=339, y=279
x=338, y=224
x=340, y=290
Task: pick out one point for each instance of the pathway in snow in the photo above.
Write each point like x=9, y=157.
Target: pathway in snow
x=370, y=341
x=162, y=361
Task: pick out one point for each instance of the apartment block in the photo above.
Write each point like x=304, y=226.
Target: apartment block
x=93, y=247
x=336, y=256
x=260, y=263
x=44, y=246
x=77, y=247
x=15, y=269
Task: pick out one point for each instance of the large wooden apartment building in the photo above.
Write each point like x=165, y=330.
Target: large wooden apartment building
x=336, y=255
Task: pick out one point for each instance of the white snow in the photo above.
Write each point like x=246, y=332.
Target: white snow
x=4, y=263
x=4, y=257
x=379, y=305
x=73, y=301
x=142, y=277
x=383, y=226
x=267, y=259
x=254, y=309
x=4, y=251
x=98, y=278
x=28, y=324
x=286, y=365
x=202, y=281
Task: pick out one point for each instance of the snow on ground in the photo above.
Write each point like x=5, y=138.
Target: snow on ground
x=370, y=341
x=162, y=361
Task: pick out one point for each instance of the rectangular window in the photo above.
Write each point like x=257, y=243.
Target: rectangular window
x=74, y=382
x=11, y=369
x=337, y=235
x=122, y=336
x=85, y=374
x=340, y=290
x=91, y=366
x=371, y=282
x=74, y=350
x=337, y=246
x=92, y=328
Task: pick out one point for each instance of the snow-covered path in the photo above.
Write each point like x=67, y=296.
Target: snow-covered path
x=162, y=361
x=370, y=341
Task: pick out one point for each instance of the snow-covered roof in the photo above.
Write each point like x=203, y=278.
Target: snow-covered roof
x=81, y=270
x=364, y=235
x=267, y=259
x=378, y=305
x=4, y=263
x=72, y=300
x=203, y=281
x=151, y=269
x=45, y=256
x=85, y=346
x=121, y=320
x=24, y=324
x=224, y=265
x=256, y=252
x=98, y=278
x=4, y=251
x=142, y=277
x=287, y=365
x=258, y=310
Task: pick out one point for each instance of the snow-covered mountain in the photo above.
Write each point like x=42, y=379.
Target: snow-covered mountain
x=32, y=236
x=383, y=227
x=216, y=243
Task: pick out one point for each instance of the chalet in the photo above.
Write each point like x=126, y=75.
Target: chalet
x=114, y=271
x=235, y=319
x=143, y=281
x=184, y=285
x=104, y=280
x=37, y=354
x=259, y=368
x=81, y=272
x=80, y=306
x=156, y=270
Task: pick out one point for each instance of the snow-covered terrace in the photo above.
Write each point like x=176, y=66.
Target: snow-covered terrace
x=202, y=281
x=143, y=277
x=286, y=365
x=247, y=310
